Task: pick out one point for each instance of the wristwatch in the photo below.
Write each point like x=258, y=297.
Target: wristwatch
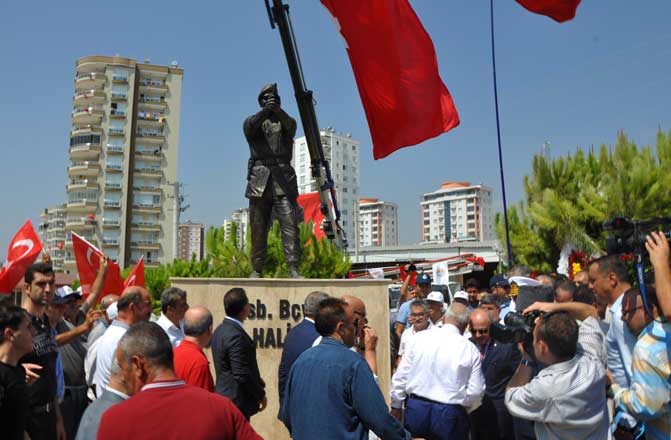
x=527, y=362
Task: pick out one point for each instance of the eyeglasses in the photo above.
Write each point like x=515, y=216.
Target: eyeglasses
x=630, y=311
x=480, y=331
x=418, y=315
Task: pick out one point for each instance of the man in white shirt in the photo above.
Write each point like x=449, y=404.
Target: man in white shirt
x=419, y=312
x=133, y=306
x=436, y=303
x=173, y=308
x=441, y=375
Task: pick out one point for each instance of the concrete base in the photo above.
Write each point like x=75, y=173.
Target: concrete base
x=276, y=307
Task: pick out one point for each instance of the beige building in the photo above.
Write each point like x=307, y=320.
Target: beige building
x=122, y=193
x=457, y=211
x=378, y=223
x=239, y=217
x=52, y=234
x=191, y=238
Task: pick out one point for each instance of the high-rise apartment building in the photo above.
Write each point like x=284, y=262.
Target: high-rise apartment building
x=122, y=191
x=191, y=238
x=458, y=211
x=52, y=234
x=239, y=217
x=342, y=152
x=378, y=223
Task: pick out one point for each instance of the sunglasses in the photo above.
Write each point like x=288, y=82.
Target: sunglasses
x=480, y=331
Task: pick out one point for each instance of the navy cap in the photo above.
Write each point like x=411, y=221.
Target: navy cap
x=498, y=281
x=423, y=278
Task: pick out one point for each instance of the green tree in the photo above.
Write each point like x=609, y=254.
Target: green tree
x=567, y=199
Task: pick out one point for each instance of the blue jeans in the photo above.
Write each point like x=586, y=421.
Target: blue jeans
x=436, y=421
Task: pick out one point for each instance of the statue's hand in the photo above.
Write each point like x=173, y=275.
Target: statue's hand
x=272, y=105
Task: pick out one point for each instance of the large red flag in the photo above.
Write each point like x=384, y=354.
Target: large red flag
x=88, y=257
x=21, y=253
x=396, y=71
x=136, y=276
x=311, y=213
x=558, y=10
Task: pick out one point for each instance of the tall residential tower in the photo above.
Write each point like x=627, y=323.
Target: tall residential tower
x=378, y=223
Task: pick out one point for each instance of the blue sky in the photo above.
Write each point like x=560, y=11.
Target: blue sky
x=573, y=84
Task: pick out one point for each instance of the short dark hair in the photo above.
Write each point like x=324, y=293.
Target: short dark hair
x=43, y=268
x=472, y=282
x=650, y=297
x=235, y=301
x=10, y=316
x=491, y=298
x=583, y=294
x=169, y=297
x=612, y=263
x=127, y=299
x=150, y=341
x=420, y=303
x=560, y=332
x=331, y=312
x=567, y=286
x=199, y=326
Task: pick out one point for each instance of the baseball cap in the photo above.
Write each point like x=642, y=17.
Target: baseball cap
x=461, y=295
x=65, y=294
x=436, y=296
x=112, y=311
x=423, y=278
x=498, y=281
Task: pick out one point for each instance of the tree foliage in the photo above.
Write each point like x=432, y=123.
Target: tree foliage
x=567, y=199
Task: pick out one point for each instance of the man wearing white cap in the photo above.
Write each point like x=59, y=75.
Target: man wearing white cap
x=461, y=297
x=436, y=308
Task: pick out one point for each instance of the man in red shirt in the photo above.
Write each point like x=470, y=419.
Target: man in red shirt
x=191, y=365
x=165, y=406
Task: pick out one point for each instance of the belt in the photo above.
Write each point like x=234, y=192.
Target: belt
x=270, y=162
x=43, y=409
x=424, y=399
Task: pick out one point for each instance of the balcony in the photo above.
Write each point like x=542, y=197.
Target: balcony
x=82, y=205
x=110, y=241
x=88, y=97
x=81, y=184
x=146, y=226
x=146, y=208
x=57, y=226
x=114, y=149
x=117, y=167
x=111, y=223
x=113, y=186
x=112, y=204
x=154, y=155
x=149, y=171
x=81, y=223
x=145, y=244
x=85, y=168
x=90, y=81
x=86, y=129
x=116, y=97
x=154, y=137
x=153, y=85
x=56, y=237
x=85, y=151
x=116, y=131
x=87, y=115
x=146, y=187
x=119, y=79
x=117, y=114
x=149, y=119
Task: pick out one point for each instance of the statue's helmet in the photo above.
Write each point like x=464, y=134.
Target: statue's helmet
x=269, y=88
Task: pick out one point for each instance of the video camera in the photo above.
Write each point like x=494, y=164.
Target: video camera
x=628, y=236
x=516, y=328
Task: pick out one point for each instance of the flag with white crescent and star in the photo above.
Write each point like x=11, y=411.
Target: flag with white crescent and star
x=21, y=253
x=136, y=276
x=87, y=257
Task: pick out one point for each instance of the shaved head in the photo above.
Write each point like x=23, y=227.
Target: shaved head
x=107, y=300
x=481, y=316
x=197, y=320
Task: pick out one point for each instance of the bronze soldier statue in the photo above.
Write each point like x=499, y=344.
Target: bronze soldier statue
x=271, y=180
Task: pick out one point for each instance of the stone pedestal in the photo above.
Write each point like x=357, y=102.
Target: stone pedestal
x=276, y=307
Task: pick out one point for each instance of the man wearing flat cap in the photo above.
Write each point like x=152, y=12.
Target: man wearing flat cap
x=271, y=180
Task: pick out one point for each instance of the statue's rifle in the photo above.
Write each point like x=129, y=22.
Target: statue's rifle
x=278, y=14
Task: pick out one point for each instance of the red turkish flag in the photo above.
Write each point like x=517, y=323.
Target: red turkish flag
x=88, y=257
x=413, y=276
x=396, y=71
x=136, y=276
x=21, y=253
x=311, y=212
x=558, y=10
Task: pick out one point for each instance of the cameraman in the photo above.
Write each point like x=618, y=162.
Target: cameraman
x=566, y=399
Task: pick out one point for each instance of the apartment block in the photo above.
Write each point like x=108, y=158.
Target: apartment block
x=343, y=154
x=122, y=191
x=52, y=234
x=191, y=238
x=239, y=217
x=378, y=223
x=457, y=211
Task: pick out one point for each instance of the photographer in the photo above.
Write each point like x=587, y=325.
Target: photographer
x=566, y=398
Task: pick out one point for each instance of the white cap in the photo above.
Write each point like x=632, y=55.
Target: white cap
x=436, y=296
x=112, y=311
x=461, y=295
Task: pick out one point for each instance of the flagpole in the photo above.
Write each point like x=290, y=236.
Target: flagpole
x=498, y=137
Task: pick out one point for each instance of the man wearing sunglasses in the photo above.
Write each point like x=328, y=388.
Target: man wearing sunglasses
x=499, y=362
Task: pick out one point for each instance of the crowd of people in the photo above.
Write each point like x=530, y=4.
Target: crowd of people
x=525, y=358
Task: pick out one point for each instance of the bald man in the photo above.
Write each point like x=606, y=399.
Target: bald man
x=499, y=362
x=133, y=306
x=365, y=340
x=191, y=364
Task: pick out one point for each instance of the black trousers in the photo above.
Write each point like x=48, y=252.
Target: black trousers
x=42, y=425
x=72, y=409
x=492, y=421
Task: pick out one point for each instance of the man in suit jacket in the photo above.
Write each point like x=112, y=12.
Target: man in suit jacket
x=234, y=355
x=116, y=392
x=499, y=363
x=299, y=339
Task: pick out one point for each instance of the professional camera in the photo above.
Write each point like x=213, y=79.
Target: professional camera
x=517, y=328
x=628, y=236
